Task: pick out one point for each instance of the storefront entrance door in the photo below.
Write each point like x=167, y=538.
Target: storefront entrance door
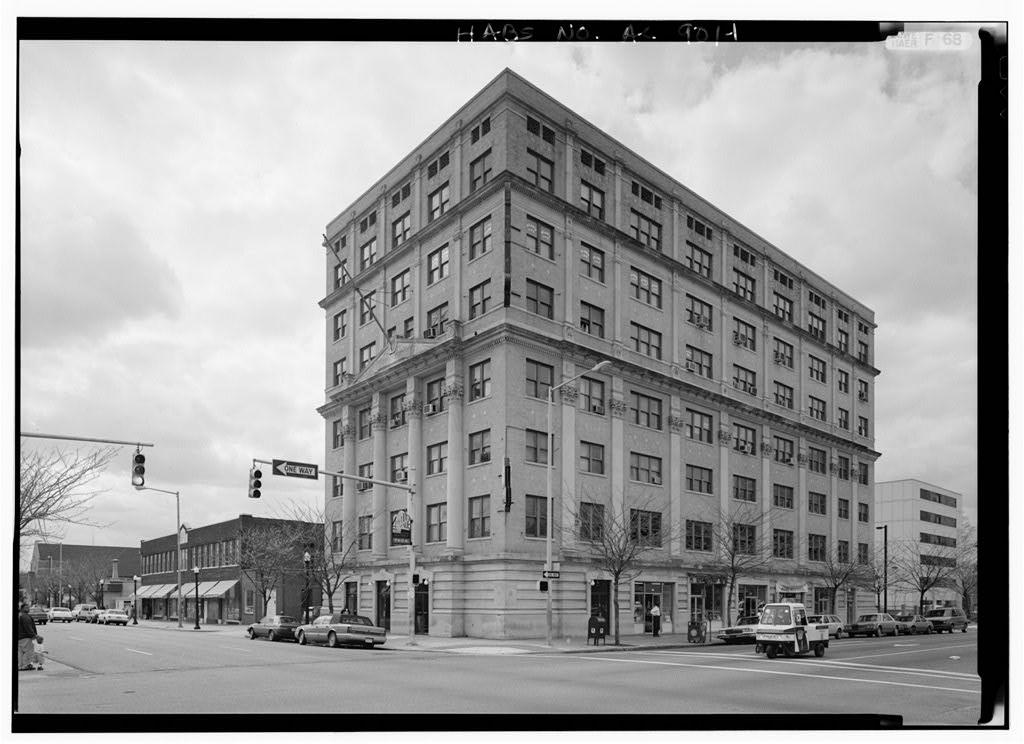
x=422, y=608
x=600, y=598
x=384, y=605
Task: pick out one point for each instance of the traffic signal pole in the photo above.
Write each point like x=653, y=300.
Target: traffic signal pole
x=85, y=439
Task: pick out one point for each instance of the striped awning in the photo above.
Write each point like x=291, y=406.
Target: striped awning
x=218, y=589
x=204, y=588
x=156, y=591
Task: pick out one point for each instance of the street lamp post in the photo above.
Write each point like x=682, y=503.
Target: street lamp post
x=135, y=600
x=195, y=570
x=177, y=532
x=101, y=594
x=885, y=566
x=550, y=476
x=305, y=593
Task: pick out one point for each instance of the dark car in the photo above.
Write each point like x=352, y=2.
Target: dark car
x=874, y=624
x=912, y=624
x=275, y=628
x=38, y=614
x=947, y=618
x=342, y=629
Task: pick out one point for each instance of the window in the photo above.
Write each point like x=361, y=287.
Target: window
x=400, y=230
x=844, y=381
x=646, y=411
x=816, y=408
x=590, y=522
x=645, y=468
x=437, y=202
x=698, y=260
x=744, y=439
x=367, y=254
x=339, y=370
x=937, y=498
x=816, y=368
x=646, y=288
x=592, y=457
x=365, y=471
x=400, y=195
x=591, y=395
x=745, y=256
x=482, y=128
x=844, y=419
x=862, y=390
x=437, y=522
x=817, y=299
x=536, y=516
x=645, y=230
x=782, y=278
x=366, y=307
x=538, y=379
x=844, y=317
x=435, y=396
x=783, y=395
x=816, y=549
x=480, y=380
x=646, y=341
x=816, y=326
x=337, y=433
x=339, y=324
x=744, y=538
x=366, y=532
x=744, y=335
x=400, y=467
x=645, y=527
x=744, y=489
x=862, y=553
x=783, y=307
x=368, y=221
x=844, y=467
x=744, y=379
x=341, y=273
x=861, y=327
x=367, y=354
x=540, y=238
x=480, y=171
x=698, y=426
x=592, y=262
x=437, y=264
x=480, y=516
x=816, y=460
x=938, y=560
x=862, y=512
x=699, y=479
x=540, y=171
x=698, y=227
x=540, y=299
x=407, y=328
x=543, y=131
x=783, y=353
x=783, y=450
x=480, y=238
x=862, y=352
x=930, y=539
x=816, y=503
x=843, y=509
x=843, y=340
x=782, y=543
x=438, y=165
x=743, y=285
x=480, y=447
x=699, y=313
x=592, y=200
x=589, y=160
x=536, y=447
x=479, y=298
x=591, y=319
x=698, y=361
x=437, y=458
x=397, y=410
x=698, y=535
x=782, y=496
x=400, y=288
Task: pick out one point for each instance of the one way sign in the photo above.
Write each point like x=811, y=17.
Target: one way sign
x=295, y=469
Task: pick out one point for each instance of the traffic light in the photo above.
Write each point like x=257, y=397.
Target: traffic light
x=255, y=474
x=542, y=585
x=138, y=469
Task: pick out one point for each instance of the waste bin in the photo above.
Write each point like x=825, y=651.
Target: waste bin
x=695, y=630
x=597, y=629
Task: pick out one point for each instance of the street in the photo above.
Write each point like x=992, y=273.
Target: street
x=927, y=680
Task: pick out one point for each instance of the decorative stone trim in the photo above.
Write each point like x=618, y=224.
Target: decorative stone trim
x=348, y=431
x=801, y=457
x=676, y=423
x=413, y=407
x=618, y=407
x=379, y=419
x=453, y=390
x=766, y=449
x=569, y=394
x=724, y=436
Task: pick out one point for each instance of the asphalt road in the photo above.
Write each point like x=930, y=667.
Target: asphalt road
x=929, y=680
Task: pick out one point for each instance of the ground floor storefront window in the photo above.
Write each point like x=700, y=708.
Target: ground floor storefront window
x=706, y=600
x=749, y=597
x=647, y=594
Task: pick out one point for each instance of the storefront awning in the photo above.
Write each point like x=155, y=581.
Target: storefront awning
x=156, y=591
x=218, y=589
x=204, y=588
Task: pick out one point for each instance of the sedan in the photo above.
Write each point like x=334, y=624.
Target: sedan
x=38, y=614
x=274, y=627
x=112, y=617
x=913, y=624
x=341, y=629
x=835, y=625
x=742, y=632
x=60, y=615
x=90, y=616
x=876, y=624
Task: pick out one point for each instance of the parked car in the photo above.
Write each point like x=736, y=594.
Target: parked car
x=60, y=615
x=341, y=629
x=911, y=624
x=90, y=616
x=876, y=624
x=947, y=618
x=112, y=617
x=80, y=612
x=742, y=632
x=275, y=628
x=835, y=625
x=38, y=614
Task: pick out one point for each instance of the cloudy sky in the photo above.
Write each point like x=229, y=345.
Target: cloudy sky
x=174, y=195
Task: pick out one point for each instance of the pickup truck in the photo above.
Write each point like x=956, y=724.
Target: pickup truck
x=783, y=626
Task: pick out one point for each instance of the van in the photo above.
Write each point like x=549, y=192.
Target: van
x=947, y=618
x=83, y=612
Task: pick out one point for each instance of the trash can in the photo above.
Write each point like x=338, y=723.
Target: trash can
x=597, y=629
x=695, y=630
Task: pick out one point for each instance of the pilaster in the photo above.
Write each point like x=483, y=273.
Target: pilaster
x=456, y=457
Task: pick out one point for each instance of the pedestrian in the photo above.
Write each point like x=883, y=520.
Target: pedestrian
x=27, y=636
x=656, y=619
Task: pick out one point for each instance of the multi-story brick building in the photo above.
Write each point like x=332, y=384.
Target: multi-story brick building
x=514, y=249
x=67, y=574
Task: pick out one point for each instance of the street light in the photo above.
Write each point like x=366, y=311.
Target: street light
x=177, y=532
x=195, y=569
x=101, y=594
x=135, y=600
x=305, y=594
x=551, y=462
x=885, y=566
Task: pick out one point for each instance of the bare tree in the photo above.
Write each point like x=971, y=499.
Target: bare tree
x=965, y=576
x=54, y=489
x=838, y=570
x=332, y=554
x=265, y=552
x=742, y=545
x=922, y=567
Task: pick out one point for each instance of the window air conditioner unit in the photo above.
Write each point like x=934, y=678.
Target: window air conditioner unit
x=752, y=390
x=363, y=486
x=597, y=408
x=402, y=475
x=691, y=366
x=430, y=333
x=779, y=357
x=738, y=338
x=862, y=396
x=702, y=322
x=396, y=419
x=655, y=480
x=429, y=408
x=485, y=457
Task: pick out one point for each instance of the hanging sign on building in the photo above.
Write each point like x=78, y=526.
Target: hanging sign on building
x=401, y=529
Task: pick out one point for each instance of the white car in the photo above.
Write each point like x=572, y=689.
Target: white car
x=60, y=615
x=112, y=617
x=835, y=625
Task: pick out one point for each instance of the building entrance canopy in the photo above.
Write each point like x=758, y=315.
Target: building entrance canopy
x=156, y=591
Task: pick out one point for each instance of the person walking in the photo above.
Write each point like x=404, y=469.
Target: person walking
x=27, y=635
x=656, y=619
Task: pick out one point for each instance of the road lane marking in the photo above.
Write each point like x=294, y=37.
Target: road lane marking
x=239, y=648
x=779, y=672
x=916, y=651
x=138, y=652
x=76, y=638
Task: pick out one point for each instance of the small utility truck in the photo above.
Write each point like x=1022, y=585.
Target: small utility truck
x=783, y=627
